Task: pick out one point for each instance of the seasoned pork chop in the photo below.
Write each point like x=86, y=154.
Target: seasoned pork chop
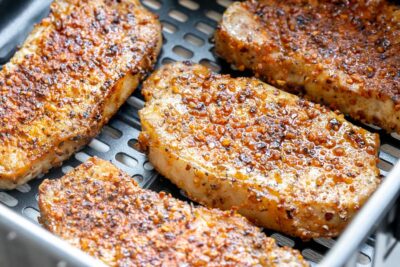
x=71, y=75
x=102, y=211
x=285, y=163
x=345, y=54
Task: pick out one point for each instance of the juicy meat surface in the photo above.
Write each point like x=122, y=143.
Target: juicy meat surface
x=285, y=163
x=345, y=54
x=102, y=211
x=70, y=76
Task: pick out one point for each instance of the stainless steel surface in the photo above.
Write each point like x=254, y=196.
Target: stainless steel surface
x=24, y=243
x=360, y=228
x=188, y=27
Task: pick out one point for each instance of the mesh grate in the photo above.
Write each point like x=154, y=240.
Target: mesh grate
x=187, y=27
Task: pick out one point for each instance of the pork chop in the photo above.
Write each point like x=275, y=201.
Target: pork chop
x=74, y=71
x=345, y=54
x=102, y=211
x=284, y=162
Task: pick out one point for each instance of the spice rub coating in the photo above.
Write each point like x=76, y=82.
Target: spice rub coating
x=345, y=54
x=284, y=162
x=73, y=72
x=102, y=211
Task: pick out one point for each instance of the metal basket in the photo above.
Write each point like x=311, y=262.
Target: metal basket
x=187, y=26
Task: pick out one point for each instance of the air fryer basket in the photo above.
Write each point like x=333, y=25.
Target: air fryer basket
x=187, y=28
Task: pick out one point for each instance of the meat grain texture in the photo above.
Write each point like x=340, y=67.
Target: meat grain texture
x=284, y=162
x=345, y=54
x=70, y=76
x=102, y=211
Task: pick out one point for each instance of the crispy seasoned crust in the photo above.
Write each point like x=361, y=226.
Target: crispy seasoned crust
x=71, y=75
x=342, y=53
x=104, y=212
x=285, y=163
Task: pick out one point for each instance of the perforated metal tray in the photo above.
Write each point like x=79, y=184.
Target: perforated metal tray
x=187, y=29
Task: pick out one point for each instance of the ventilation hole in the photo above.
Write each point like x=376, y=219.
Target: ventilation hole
x=326, y=242
x=66, y=169
x=211, y=65
x=189, y=4
x=168, y=27
x=283, y=240
x=384, y=165
x=152, y=4
x=372, y=126
x=133, y=143
x=396, y=136
x=126, y=160
x=311, y=255
x=24, y=188
x=183, y=52
x=82, y=156
x=224, y=3
x=177, y=15
x=138, y=178
x=8, y=200
x=391, y=150
x=204, y=28
x=135, y=102
x=99, y=146
x=193, y=39
x=387, y=157
x=213, y=15
x=167, y=61
x=111, y=132
x=148, y=166
x=363, y=259
x=31, y=213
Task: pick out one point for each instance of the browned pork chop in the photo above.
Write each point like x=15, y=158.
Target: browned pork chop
x=102, y=211
x=70, y=76
x=285, y=163
x=345, y=54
